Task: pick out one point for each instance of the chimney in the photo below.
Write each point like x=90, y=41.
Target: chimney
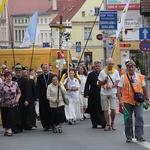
x=54, y=5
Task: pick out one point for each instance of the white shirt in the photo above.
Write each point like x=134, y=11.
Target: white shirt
x=115, y=77
x=135, y=80
x=83, y=79
x=72, y=83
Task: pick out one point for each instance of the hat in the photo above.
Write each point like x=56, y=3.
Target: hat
x=131, y=63
x=3, y=66
x=18, y=66
x=39, y=70
x=127, y=60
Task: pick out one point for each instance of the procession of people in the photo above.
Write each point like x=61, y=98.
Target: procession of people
x=95, y=92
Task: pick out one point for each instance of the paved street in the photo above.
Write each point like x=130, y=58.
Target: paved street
x=75, y=137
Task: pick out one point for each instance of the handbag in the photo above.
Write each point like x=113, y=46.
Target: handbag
x=65, y=98
x=139, y=97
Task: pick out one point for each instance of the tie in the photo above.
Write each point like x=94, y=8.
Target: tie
x=46, y=76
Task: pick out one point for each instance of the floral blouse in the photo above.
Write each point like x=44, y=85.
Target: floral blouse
x=8, y=94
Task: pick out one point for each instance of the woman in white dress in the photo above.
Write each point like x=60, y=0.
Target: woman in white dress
x=72, y=111
x=83, y=100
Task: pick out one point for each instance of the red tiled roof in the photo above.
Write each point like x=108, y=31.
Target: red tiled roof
x=69, y=10
x=60, y=5
x=28, y=6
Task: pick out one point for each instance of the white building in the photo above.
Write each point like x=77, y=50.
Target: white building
x=20, y=24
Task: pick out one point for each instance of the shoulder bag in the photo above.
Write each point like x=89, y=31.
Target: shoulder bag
x=65, y=98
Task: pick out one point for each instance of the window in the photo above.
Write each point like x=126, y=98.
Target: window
x=41, y=20
x=15, y=20
x=16, y=35
x=19, y=35
x=83, y=13
x=41, y=37
x=46, y=37
x=86, y=33
x=97, y=10
x=26, y=21
x=22, y=34
x=45, y=20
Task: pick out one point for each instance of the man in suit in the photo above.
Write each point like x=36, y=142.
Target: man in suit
x=21, y=114
x=43, y=81
x=92, y=91
x=31, y=114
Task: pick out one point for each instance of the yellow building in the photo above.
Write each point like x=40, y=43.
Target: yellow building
x=84, y=17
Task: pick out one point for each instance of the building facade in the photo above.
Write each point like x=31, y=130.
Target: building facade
x=20, y=24
x=15, y=7
x=83, y=16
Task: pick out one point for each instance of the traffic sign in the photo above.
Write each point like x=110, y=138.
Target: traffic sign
x=144, y=33
x=110, y=46
x=108, y=20
x=99, y=36
x=78, y=47
x=144, y=45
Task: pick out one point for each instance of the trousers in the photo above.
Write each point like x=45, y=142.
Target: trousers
x=139, y=123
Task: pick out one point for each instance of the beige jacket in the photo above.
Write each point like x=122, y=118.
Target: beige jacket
x=52, y=91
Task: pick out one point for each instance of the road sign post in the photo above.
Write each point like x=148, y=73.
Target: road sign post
x=78, y=47
x=108, y=20
x=144, y=46
x=144, y=33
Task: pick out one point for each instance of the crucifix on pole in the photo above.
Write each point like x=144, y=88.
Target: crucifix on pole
x=60, y=27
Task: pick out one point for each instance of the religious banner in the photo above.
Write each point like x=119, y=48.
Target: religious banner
x=120, y=4
x=2, y=5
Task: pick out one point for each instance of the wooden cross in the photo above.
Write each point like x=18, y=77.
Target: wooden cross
x=61, y=27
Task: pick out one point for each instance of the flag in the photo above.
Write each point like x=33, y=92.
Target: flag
x=2, y=5
x=125, y=114
x=122, y=19
x=32, y=32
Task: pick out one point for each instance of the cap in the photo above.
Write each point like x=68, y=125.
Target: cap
x=97, y=62
x=127, y=60
x=18, y=66
x=131, y=63
x=39, y=70
x=3, y=66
